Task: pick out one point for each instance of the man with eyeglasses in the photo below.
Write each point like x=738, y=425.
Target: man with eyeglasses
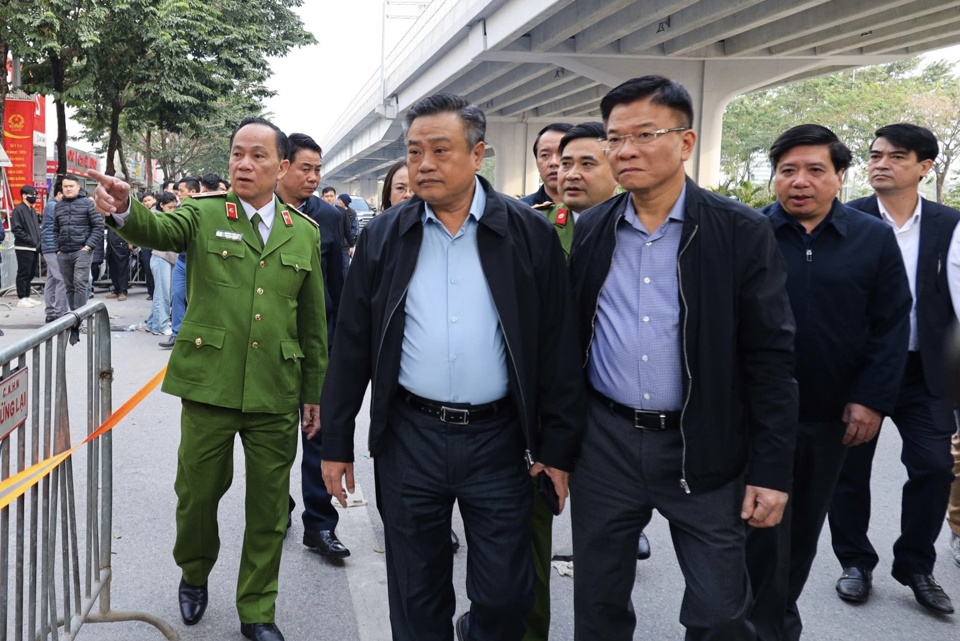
x=688, y=339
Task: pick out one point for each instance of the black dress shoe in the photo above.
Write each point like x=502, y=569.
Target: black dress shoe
x=325, y=542
x=193, y=602
x=928, y=592
x=454, y=541
x=854, y=585
x=643, y=547
x=261, y=631
x=463, y=627
x=168, y=344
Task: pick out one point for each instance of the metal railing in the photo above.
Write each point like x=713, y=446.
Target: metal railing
x=61, y=563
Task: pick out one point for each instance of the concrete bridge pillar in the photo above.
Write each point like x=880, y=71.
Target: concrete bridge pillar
x=515, y=171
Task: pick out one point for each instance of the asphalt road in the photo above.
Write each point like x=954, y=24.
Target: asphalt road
x=321, y=600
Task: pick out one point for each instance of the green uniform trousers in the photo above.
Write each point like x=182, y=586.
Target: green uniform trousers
x=538, y=621
x=204, y=473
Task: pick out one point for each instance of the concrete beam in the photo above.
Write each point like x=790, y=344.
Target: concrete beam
x=477, y=76
x=499, y=84
x=570, y=20
x=932, y=24
x=534, y=91
x=914, y=44
x=819, y=19
x=854, y=28
x=587, y=98
x=566, y=89
x=701, y=14
x=624, y=22
x=766, y=13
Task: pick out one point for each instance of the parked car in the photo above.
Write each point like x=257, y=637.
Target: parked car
x=364, y=213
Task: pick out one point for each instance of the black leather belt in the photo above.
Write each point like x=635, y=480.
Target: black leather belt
x=642, y=419
x=454, y=413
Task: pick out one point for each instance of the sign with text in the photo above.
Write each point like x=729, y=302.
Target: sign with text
x=14, y=399
x=18, y=128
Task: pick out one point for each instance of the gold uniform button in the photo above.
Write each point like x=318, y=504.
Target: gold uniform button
x=256, y=317
x=260, y=290
x=255, y=345
x=198, y=342
x=225, y=253
x=296, y=267
x=262, y=264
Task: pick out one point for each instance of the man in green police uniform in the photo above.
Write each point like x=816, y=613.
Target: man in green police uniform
x=252, y=347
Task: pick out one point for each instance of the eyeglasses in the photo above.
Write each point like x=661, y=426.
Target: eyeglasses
x=615, y=143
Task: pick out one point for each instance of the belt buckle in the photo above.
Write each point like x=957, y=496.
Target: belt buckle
x=637, y=414
x=454, y=415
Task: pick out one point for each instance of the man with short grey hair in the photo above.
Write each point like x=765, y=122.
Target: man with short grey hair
x=461, y=317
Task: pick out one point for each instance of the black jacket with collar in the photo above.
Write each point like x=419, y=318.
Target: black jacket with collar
x=737, y=332
x=934, y=308
x=525, y=270
x=851, y=300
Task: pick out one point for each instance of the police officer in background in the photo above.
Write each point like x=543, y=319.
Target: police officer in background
x=251, y=348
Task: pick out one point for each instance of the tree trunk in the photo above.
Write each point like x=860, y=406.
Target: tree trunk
x=123, y=158
x=59, y=84
x=942, y=178
x=148, y=161
x=4, y=86
x=113, y=140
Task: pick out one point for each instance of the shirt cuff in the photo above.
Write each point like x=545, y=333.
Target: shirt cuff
x=120, y=217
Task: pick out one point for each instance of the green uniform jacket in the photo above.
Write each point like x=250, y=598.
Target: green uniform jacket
x=254, y=335
x=562, y=219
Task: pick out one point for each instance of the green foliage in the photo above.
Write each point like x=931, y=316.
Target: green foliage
x=748, y=193
x=188, y=67
x=854, y=104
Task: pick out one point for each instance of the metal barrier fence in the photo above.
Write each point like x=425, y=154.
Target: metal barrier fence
x=50, y=589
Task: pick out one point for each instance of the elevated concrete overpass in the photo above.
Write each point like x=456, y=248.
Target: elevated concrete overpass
x=530, y=62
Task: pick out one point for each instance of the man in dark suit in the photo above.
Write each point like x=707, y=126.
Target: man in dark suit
x=296, y=189
x=461, y=317
x=849, y=295
x=900, y=157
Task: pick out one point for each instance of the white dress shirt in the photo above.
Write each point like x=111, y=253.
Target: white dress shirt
x=908, y=238
x=267, y=214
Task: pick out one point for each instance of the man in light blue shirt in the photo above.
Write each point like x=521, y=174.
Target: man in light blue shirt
x=461, y=317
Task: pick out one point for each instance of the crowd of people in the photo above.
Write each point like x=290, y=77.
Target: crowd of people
x=621, y=337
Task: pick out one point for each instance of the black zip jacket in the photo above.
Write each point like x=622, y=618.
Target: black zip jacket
x=849, y=293
x=526, y=273
x=25, y=226
x=737, y=332
x=78, y=224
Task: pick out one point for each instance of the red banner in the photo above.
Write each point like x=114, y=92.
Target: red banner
x=18, y=128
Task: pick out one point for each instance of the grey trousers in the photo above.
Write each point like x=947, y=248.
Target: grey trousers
x=623, y=475
x=75, y=269
x=54, y=291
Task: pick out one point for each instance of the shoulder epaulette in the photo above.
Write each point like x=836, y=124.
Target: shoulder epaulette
x=208, y=194
x=546, y=205
x=297, y=211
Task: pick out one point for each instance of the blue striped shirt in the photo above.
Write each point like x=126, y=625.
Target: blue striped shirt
x=453, y=348
x=635, y=358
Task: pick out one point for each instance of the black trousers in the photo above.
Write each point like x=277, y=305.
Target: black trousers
x=779, y=558
x=145, y=255
x=425, y=466
x=926, y=424
x=623, y=475
x=118, y=261
x=26, y=268
x=318, y=511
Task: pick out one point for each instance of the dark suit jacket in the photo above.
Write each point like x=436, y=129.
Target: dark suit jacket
x=934, y=307
x=328, y=219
